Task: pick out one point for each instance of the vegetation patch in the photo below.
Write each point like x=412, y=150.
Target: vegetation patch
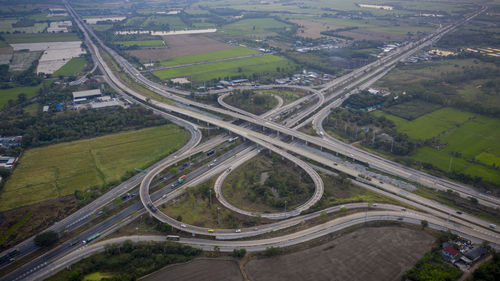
x=144, y=43
x=14, y=93
x=40, y=37
x=57, y=170
x=265, y=183
x=239, y=68
x=128, y=261
x=258, y=26
x=412, y=109
x=73, y=67
x=257, y=104
x=221, y=54
x=429, y=125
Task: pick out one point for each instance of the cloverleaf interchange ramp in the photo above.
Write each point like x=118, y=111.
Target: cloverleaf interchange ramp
x=273, y=143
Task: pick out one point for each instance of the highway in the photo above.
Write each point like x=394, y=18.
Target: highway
x=277, y=145
x=281, y=241
x=263, y=140
x=346, y=150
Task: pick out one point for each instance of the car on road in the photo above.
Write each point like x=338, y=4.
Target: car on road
x=492, y=226
x=374, y=205
x=183, y=225
x=400, y=219
x=458, y=212
x=237, y=230
x=255, y=228
x=404, y=210
x=211, y=231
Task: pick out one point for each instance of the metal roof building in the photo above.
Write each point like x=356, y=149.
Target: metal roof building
x=87, y=94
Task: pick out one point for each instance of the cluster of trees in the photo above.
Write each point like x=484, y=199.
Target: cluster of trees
x=364, y=100
x=489, y=271
x=67, y=126
x=359, y=125
x=251, y=102
x=24, y=78
x=46, y=239
x=279, y=187
x=129, y=260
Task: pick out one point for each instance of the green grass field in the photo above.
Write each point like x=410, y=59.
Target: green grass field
x=145, y=43
x=262, y=26
x=215, y=70
x=11, y=94
x=429, y=125
x=73, y=67
x=411, y=110
x=52, y=171
x=40, y=37
x=221, y=54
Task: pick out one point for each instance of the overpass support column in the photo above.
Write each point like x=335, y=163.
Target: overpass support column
x=321, y=148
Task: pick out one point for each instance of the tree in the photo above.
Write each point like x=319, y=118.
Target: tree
x=239, y=253
x=424, y=224
x=46, y=238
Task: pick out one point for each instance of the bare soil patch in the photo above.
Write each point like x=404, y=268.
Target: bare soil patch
x=180, y=45
x=312, y=29
x=199, y=269
x=374, y=253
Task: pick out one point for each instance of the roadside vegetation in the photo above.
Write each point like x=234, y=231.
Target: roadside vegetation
x=128, y=261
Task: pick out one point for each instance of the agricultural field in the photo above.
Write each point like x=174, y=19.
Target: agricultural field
x=53, y=171
x=179, y=46
x=221, y=54
x=226, y=69
x=254, y=27
x=12, y=94
x=23, y=60
x=392, y=250
x=6, y=26
x=411, y=110
x=144, y=43
x=429, y=125
x=42, y=37
x=73, y=67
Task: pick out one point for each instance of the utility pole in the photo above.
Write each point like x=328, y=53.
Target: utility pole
x=218, y=217
x=285, y=206
x=210, y=196
x=451, y=160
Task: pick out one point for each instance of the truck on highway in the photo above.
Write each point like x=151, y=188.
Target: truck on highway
x=181, y=179
x=231, y=140
x=91, y=238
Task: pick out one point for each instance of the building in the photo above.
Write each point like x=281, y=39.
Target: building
x=476, y=253
x=11, y=141
x=98, y=105
x=7, y=162
x=89, y=94
x=451, y=253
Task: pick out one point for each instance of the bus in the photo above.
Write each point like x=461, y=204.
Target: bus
x=173, y=237
x=91, y=238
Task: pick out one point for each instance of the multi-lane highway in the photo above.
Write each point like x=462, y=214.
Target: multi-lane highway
x=466, y=225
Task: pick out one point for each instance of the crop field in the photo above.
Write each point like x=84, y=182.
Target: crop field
x=179, y=46
x=145, y=43
x=42, y=37
x=239, y=67
x=264, y=26
x=429, y=125
x=11, y=94
x=23, y=60
x=52, y=171
x=370, y=253
x=221, y=54
x=442, y=159
x=478, y=139
x=73, y=67
x=412, y=109
x=6, y=26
